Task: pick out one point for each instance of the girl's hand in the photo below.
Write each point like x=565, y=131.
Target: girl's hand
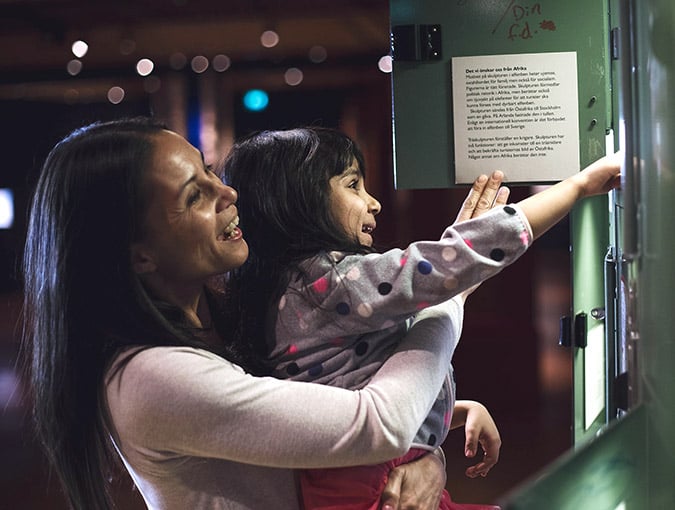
x=486, y=193
x=600, y=176
x=416, y=485
x=548, y=207
x=479, y=429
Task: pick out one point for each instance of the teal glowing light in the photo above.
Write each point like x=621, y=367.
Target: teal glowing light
x=256, y=100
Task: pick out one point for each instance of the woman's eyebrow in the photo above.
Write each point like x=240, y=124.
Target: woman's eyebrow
x=187, y=183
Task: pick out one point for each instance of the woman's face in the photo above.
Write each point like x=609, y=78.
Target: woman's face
x=190, y=230
x=352, y=206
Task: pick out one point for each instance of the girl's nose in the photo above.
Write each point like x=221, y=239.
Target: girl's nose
x=374, y=206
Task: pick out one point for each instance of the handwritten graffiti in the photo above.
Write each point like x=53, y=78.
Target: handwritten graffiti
x=547, y=24
x=524, y=21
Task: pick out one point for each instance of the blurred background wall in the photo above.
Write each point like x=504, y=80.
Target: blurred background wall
x=215, y=70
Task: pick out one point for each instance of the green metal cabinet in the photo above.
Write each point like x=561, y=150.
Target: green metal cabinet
x=623, y=318
x=422, y=79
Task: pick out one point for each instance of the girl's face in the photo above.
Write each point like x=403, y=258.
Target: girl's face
x=351, y=205
x=190, y=231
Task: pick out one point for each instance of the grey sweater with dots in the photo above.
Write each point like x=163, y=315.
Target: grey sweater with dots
x=337, y=323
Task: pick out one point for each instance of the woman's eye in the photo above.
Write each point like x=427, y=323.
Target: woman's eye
x=212, y=172
x=354, y=184
x=194, y=197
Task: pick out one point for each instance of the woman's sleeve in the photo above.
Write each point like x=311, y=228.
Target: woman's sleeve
x=183, y=401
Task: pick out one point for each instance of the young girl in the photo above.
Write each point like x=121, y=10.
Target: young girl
x=332, y=308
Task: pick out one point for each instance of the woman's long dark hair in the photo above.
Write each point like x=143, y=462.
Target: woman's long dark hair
x=83, y=302
x=282, y=178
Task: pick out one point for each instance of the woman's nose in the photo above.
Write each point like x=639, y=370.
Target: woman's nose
x=226, y=196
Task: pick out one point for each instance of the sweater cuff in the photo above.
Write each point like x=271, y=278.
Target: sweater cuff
x=525, y=221
x=438, y=452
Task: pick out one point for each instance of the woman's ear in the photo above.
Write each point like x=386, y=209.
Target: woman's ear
x=141, y=260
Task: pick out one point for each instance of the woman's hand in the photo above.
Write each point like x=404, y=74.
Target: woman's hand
x=416, y=485
x=479, y=428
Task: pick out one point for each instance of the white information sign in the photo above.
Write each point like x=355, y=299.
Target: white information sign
x=518, y=114
x=594, y=374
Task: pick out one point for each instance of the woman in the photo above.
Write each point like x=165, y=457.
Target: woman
x=129, y=351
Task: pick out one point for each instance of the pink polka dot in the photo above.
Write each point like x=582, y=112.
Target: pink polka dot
x=364, y=310
x=469, y=243
x=320, y=285
x=353, y=274
x=446, y=418
x=525, y=237
x=450, y=283
x=422, y=305
x=337, y=341
x=302, y=323
x=449, y=254
x=292, y=349
x=403, y=260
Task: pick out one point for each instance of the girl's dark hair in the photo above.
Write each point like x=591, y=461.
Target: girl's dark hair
x=282, y=178
x=83, y=302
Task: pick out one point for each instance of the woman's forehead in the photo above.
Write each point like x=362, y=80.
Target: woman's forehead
x=174, y=155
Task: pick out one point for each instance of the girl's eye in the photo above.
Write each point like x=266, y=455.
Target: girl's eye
x=354, y=184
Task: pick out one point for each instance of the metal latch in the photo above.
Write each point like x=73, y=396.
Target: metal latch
x=416, y=42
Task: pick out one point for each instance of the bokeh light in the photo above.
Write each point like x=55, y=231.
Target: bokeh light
x=116, y=95
x=221, y=63
x=269, y=39
x=293, y=76
x=144, y=66
x=256, y=100
x=74, y=67
x=79, y=48
x=199, y=64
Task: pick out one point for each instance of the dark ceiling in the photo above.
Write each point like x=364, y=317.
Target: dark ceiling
x=36, y=35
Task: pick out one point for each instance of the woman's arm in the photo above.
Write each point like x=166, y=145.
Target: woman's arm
x=183, y=401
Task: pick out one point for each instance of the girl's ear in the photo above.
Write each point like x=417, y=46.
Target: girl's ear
x=141, y=260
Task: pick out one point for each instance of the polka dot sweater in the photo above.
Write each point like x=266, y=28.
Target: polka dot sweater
x=339, y=323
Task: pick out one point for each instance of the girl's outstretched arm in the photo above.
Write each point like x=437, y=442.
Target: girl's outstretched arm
x=545, y=209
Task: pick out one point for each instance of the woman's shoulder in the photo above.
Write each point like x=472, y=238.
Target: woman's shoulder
x=142, y=381
x=157, y=366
